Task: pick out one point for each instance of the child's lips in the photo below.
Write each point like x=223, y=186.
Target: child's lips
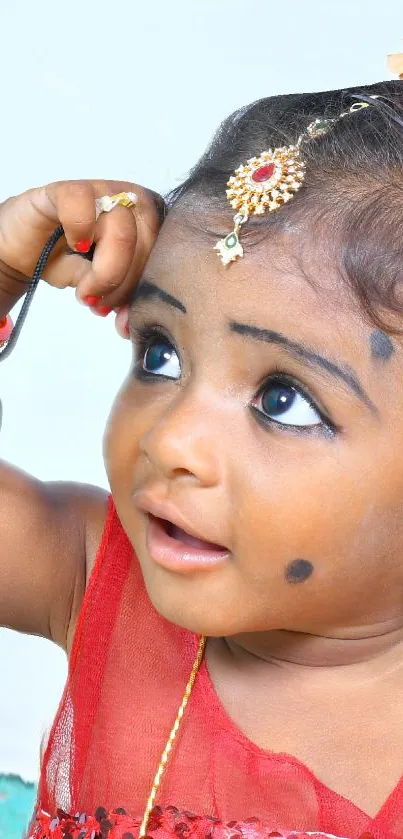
x=175, y=518
x=182, y=536
x=177, y=550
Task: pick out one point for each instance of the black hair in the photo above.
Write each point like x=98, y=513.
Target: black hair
x=353, y=188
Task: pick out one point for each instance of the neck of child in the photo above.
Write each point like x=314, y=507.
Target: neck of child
x=371, y=650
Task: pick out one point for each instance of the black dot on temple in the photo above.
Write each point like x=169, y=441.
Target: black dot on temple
x=298, y=571
x=381, y=345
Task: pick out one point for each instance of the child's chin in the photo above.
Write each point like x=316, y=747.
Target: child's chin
x=189, y=612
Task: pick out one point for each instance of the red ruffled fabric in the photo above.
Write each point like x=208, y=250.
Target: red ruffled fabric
x=168, y=823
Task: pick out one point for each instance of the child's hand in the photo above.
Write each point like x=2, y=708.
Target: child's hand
x=123, y=238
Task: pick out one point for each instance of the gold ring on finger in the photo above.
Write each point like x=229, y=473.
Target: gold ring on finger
x=107, y=202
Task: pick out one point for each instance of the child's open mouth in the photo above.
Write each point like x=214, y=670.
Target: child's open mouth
x=173, y=548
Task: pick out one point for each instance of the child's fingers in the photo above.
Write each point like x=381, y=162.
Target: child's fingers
x=68, y=270
x=115, y=246
x=75, y=205
x=124, y=238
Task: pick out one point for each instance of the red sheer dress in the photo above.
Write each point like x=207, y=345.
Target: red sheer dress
x=127, y=674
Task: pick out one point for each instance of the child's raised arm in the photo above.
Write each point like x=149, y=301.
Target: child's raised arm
x=49, y=532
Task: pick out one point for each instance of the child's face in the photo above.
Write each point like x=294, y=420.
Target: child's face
x=310, y=511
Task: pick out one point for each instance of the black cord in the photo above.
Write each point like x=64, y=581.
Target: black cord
x=40, y=265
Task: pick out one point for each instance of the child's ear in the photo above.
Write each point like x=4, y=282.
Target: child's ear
x=122, y=322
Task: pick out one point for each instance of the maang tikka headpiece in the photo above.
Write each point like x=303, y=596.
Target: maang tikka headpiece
x=267, y=182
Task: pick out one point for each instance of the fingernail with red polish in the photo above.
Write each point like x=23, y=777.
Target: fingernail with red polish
x=104, y=310
x=84, y=246
x=91, y=300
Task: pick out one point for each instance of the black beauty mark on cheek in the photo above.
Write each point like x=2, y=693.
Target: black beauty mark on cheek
x=381, y=345
x=298, y=571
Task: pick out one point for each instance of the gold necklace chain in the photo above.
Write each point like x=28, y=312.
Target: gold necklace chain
x=171, y=738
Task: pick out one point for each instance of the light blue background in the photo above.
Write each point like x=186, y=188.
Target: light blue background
x=130, y=90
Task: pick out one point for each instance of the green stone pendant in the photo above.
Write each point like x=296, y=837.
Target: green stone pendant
x=231, y=241
x=230, y=248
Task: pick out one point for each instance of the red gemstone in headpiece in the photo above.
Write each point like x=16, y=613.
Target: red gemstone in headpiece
x=263, y=173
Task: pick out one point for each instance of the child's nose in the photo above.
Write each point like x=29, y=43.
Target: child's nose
x=185, y=441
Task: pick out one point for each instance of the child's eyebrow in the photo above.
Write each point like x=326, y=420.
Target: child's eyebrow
x=147, y=290
x=295, y=348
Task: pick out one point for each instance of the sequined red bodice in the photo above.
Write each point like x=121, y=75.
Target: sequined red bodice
x=127, y=673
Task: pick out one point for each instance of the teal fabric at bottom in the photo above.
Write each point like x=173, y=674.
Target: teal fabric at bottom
x=17, y=800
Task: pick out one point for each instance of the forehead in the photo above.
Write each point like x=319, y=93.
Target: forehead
x=282, y=282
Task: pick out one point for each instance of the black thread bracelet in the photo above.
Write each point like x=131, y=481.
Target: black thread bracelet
x=40, y=265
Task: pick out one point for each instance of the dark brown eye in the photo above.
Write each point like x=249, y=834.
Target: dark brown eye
x=160, y=359
x=283, y=403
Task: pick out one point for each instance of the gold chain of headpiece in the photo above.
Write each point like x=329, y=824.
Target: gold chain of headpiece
x=171, y=738
x=266, y=183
